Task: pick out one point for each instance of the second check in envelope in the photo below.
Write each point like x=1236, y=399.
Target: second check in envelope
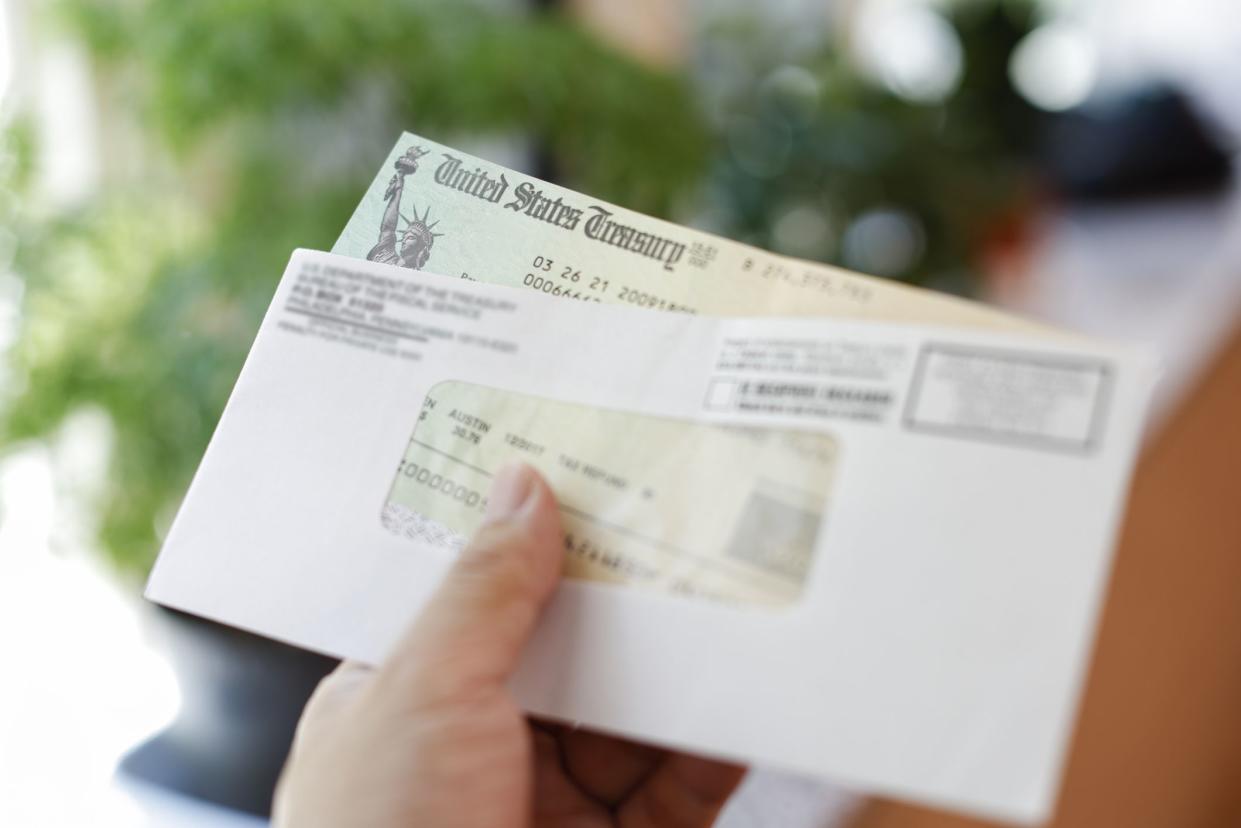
x=861, y=550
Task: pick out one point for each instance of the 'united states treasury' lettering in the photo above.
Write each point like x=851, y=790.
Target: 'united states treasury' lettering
x=476, y=183
x=531, y=201
x=601, y=227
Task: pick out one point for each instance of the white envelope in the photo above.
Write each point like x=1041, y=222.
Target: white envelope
x=937, y=649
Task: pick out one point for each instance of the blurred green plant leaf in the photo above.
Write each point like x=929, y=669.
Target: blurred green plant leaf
x=259, y=126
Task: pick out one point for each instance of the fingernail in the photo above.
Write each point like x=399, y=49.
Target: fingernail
x=512, y=487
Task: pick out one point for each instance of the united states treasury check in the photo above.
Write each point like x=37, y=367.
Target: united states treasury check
x=439, y=210
x=930, y=645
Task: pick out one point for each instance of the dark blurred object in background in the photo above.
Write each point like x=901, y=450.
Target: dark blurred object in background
x=241, y=697
x=1147, y=143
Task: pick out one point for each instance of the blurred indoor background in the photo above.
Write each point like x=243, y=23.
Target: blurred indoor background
x=159, y=159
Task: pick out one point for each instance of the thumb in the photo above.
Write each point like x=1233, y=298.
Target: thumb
x=471, y=633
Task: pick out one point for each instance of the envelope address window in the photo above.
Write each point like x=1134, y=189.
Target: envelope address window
x=722, y=512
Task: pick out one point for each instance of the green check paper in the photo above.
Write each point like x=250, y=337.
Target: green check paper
x=681, y=507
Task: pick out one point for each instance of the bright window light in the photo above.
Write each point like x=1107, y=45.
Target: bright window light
x=1054, y=67
x=909, y=48
x=6, y=51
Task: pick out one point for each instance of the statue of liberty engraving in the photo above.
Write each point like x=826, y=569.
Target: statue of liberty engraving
x=412, y=247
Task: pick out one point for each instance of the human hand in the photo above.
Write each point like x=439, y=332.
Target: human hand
x=433, y=736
